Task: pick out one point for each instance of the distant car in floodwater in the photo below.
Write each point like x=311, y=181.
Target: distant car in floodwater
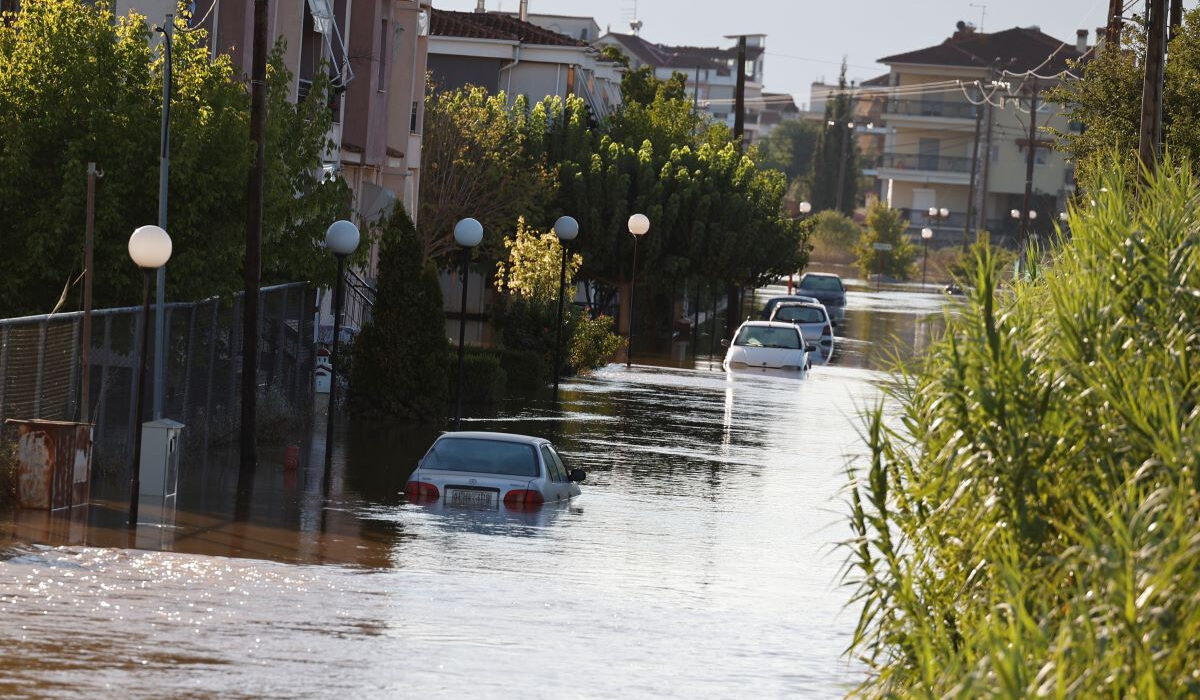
x=829, y=291
x=768, y=345
x=491, y=471
x=768, y=307
x=814, y=324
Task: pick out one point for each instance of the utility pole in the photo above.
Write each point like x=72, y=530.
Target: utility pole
x=1176, y=19
x=739, y=107
x=1150, y=133
x=1112, y=31
x=1029, y=160
x=846, y=125
x=733, y=298
x=89, y=245
x=252, y=264
x=985, y=167
x=971, y=183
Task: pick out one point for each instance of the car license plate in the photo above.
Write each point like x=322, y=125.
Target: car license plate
x=472, y=498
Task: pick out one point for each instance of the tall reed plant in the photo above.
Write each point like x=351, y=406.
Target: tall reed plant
x=1029, y=524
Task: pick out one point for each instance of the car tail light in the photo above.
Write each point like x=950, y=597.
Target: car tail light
x=420, y=491
x=827, y=330
x=523, y=498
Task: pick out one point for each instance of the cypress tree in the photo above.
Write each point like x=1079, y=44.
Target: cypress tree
x=400, y=357
x=828, y=155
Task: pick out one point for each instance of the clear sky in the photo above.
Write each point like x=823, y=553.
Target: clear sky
x=807, y=39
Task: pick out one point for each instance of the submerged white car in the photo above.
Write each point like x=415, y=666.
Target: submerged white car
x=490, y=471
x=768, y=345
x=814, y=323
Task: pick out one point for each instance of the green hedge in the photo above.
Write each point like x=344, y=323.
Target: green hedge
x=484, y=380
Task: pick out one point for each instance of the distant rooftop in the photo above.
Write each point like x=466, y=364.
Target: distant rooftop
x=1019, y=49
x=494, y=25
x=682, y=57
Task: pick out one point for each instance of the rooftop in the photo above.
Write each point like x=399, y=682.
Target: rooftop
x=682, y=57
x=493, y=25
x=1018, y=50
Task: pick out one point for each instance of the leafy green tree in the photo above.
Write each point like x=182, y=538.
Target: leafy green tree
x=837, y=142
x=399, y=368
x=533, y=266
x=835, y=231
x=884, y=225
x=79, y=85
x=1107, y=103
x=790, y=147
x=477, y=160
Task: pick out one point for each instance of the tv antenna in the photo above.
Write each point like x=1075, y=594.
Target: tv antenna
x=982, y=14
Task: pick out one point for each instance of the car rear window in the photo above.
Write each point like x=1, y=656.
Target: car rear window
x=821, y=284
x=768, y=337
x=799, y=314
x=482, y=456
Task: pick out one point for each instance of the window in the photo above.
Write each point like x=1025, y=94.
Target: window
x=799, y=314
x=554, y=466
x=412, y=121
x=768, y=337
x=821, y=283
x=383, y=55
x=482, y=457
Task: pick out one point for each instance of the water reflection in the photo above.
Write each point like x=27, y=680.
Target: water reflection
x=699, y=561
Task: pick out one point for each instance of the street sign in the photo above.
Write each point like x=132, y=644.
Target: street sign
x=882, y=246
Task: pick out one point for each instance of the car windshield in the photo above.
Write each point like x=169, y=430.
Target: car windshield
x=482, y=456
x=821, y=284
x=768, y=337
x=799, y=314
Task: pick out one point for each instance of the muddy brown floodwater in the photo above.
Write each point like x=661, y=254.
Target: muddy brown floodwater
x=701, y=560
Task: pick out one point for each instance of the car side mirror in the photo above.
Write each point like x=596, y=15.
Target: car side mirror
x=724, y=342
x=577, y=475
x=810, y=348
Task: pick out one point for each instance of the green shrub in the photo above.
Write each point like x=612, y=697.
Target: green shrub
x=593, y=343
x=1029, y=524
x=484, y=380
x=527, y=370
x=884, y=225
x=399, y=365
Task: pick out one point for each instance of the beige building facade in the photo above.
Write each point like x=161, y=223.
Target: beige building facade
x=957, y=133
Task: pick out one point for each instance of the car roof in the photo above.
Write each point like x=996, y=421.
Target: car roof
x=768, y=324
x=821, y=274
x=789, y=304
x=503, y=437
x=790, y=297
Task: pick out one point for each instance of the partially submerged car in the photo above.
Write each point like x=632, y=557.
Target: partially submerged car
x=492, y=470
x=768, y=345
x=814, y=324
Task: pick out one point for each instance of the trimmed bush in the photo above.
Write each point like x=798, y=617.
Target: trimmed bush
x=484, y=380
x=594, y=343
x=527, y=370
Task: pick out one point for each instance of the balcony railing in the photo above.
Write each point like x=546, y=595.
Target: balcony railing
x=913, y=161
x=931, y=108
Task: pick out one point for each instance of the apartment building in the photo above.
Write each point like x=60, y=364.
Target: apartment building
x=502, y=52
x=932, y=145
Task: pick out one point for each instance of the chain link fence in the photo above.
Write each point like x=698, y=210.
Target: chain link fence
x=42, y=373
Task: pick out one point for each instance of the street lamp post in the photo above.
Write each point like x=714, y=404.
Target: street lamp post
x=926, y=234
x=467, y=233
x=805, y=208
x=639, y=224
x=566, y=228
x=341, y=238
x=150, y=248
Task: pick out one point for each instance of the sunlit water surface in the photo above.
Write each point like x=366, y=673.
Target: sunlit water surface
x=701, y=561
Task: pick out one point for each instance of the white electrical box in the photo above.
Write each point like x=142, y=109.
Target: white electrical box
x=160, y=458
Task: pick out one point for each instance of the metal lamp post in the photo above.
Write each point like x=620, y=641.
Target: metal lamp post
x=639, y=224
x=150, y=248
x=566, y=228
x=805, y=208
x=467, y=233
x=341, y=239
x=926, y=234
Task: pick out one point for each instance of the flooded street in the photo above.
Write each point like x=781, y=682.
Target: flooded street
x=700, y=561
